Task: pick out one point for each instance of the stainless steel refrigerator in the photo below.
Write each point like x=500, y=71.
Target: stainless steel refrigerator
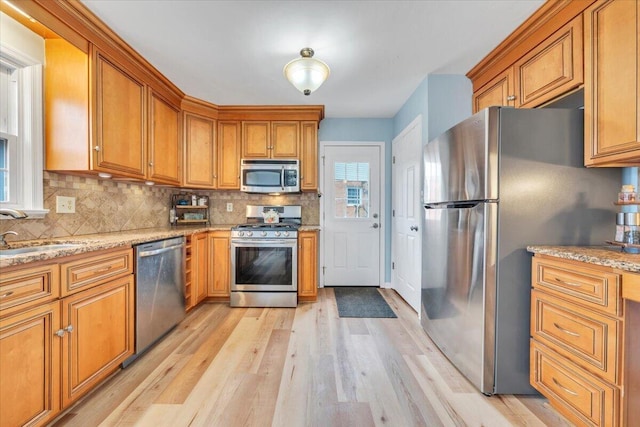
x=503, y=179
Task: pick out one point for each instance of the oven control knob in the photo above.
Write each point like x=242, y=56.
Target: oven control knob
x=277, y=234
x=263, y=234
x=240, y=233
x=286, y=234
x=249, y=233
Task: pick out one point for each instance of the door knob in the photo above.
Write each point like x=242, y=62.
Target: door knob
x=413, y=228
x=375, y=225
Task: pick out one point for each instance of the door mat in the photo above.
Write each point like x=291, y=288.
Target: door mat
x=361, y=302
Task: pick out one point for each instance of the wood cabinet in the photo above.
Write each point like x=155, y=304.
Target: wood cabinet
x=577, y=340
x=56, y=348
x=498, y=92
x=307, y=265
x=199, y=267
x=550, y=69
x=99, y=335
x=309, y=156
x=119, y=133
x=228, y=177
x=612, y=83
x=219, y=264
x=101, y=116
x=199, y=151
x=165, y=144
x=30, y=366
x=270, y=139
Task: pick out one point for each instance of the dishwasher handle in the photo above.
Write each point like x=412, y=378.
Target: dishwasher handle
x=160, y=251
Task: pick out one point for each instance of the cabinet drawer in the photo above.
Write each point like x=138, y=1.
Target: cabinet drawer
x=587, y=338
x=588, y=286
x=576, y=394
x=29, y=286
x=89, y=271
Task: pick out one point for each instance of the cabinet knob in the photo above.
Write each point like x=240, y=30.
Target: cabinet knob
x=97, y=148
x=511, y=98
x=150, y=163
x=59, y=333
x=69, y=328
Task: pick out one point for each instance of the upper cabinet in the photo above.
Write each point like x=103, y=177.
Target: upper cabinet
x=309, y=156
x=566, y=46
x=228, y=176
x=612, y=83
x=266, y=139
x=199, y=145
x=550, y=69
x=102, y=117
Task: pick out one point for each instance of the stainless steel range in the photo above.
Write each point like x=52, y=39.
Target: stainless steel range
x=264, y=257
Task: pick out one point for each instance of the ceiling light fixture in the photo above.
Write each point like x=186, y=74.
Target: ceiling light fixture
x=306, y=73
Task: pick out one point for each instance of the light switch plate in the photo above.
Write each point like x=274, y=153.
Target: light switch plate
x=229, y=207
x=65, y=204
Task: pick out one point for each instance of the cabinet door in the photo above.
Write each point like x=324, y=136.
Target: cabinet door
x=164, y=141
x=228, y=156
x=307, y=265
x=285, y=137
x=100, y=335
x=120, y=134
x=199, y=148
x=612, y=84
x=256, y=140
x=219, y=264
x=552, y=68
x=309, y=157
x=30, y=366
x=498, y=92
x=199, y=265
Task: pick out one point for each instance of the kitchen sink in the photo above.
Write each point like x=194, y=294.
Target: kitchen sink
x=36, y=249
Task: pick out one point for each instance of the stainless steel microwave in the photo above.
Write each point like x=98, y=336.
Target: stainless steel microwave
x=270, y=175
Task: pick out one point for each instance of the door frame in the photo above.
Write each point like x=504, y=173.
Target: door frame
x=383, y=217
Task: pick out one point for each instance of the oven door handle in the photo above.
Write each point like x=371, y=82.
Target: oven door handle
x=259, y=243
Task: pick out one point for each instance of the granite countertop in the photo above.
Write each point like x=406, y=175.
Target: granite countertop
x=100, y=241
x=609, y=256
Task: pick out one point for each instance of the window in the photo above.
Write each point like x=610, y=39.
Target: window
x=354, y=196
x=351, y=189
x=21, y=130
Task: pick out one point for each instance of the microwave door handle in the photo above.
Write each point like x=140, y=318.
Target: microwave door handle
x=282, y=178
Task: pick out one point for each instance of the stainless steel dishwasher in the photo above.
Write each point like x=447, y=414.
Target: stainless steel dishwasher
x=160, y=277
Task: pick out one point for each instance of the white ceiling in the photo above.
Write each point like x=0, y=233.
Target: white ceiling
x=233, y=52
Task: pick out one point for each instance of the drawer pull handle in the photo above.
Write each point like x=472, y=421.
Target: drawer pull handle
x=7, y=294
x=564, y=388
x=566, y=331
x=103, y=270
x=575, y=285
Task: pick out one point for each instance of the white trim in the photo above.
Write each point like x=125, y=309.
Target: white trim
x=382, y=185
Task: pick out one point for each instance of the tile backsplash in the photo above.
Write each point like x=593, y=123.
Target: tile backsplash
x=104, y=206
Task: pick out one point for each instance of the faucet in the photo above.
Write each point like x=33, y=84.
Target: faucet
x=3, y=242
x=15, y=213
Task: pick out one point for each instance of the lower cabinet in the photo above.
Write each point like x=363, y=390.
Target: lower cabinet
x=55, y=352
x=98, y=335
x=577, y=340
x=30, y=366
x=199, y=267
x=307, y=265
x=219, y=264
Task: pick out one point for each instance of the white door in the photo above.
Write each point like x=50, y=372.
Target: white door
x=351, y=215
x=406, y=240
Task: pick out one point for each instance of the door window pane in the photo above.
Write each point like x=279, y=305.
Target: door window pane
x=351, y=189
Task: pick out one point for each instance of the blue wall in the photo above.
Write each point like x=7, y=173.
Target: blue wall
x=442, y=100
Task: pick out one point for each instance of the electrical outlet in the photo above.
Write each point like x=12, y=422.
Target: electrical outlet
x=229, y=207
x=65, y=204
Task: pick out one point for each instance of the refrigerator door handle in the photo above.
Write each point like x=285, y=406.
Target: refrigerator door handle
x=455, y=205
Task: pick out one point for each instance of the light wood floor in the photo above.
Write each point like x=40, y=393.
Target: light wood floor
x=299, y=367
